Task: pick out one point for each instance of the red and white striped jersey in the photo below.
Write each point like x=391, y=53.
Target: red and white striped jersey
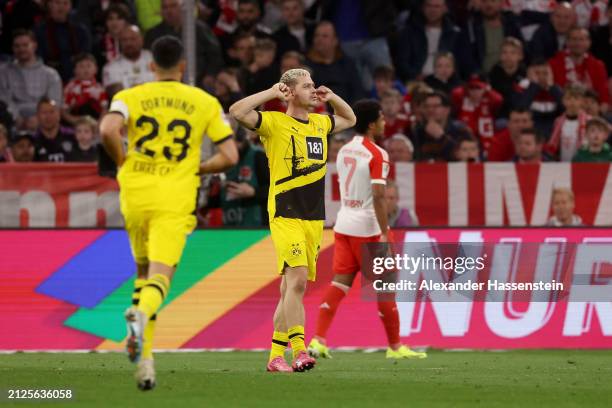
x=360, y=164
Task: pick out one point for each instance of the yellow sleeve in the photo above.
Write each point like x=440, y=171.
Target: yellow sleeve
x=264, y=124
x=218, y=128
x=331, y=122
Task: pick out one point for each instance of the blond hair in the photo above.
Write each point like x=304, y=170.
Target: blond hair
x=87, y=121
x=291, y=76
x=563, y=190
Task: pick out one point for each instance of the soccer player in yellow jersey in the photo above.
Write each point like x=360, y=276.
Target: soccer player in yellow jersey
x=159, y=179
x=296, y=146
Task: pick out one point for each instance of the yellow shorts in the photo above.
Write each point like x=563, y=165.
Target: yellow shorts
x=297, y=243
x=158, y=236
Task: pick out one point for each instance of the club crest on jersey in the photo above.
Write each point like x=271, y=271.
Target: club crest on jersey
x=296, y=250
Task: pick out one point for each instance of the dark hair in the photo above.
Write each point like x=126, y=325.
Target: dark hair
x=120, y=10
x=45, y=100
x=539, y=137
x=253, y=2
x=85, y=56
x=384, y=72
x=591, y=94
x=538, y=61
x=465, y=137
x=167, y=51
x=367, y=111
x=444, y=99
x=520, y=110
x=19, y=32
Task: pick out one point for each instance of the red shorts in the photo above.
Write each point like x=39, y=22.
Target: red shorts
x=348, y=252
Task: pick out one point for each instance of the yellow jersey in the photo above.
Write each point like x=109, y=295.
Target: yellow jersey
x=166, y=122
x=297, y=156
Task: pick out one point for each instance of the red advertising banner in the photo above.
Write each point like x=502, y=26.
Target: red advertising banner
x=57, y=195
x=453, y=194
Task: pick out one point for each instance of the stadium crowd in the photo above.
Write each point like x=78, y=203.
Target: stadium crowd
x=480, y=80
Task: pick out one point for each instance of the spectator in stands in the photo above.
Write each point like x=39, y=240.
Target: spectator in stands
x=291, y=60
x=396, y=121
x=116, y=18
x=246, y=23
x=434, y=137
x=529, y=147
x=507, y=74
x=244, y=195
x=592, y=106
x=330, y=67
x=263, y=72
x=148, y=13
x=241, y=52
x=93, y=14
x=272, y=16
x=209, y=56
x=5, y=152
x=576, y=66
x=86, y=148
x=541, y=96
x=296, y=33
x=335, y=144
x=563, y=205
x=551, y=37
x=476, y=105
x=444, y=77
x=24, y=81
x=426, y=35
x=399, y=148
x=467, y=150
x=362, y=27
x=60, y=40
x=502, y=145
x=590, y=13
x=53, y=142
x=596, y=149
x=384, y=80
x=133, y=67
x=398, y=217
x=570, y=128
x=414, y=102
x=21, y=15
x=22, y=148
x=84, y=95
x=486, y=31
x=601, y=47
x=226, y=88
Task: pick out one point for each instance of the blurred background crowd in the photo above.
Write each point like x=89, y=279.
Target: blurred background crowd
x=480, y=80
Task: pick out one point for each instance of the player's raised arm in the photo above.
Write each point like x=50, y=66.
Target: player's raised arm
x=244, y=110
x=344, y=117
x=110, y=132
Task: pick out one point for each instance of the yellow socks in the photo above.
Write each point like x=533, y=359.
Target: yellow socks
x=296, y=337
x=147, y=347
x=280, y=340
x=138, y=285
x=153, y=294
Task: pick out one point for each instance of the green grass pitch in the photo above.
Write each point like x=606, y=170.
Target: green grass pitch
x=554, y=378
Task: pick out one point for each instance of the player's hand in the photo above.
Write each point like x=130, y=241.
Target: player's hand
x=240, y=190
x=324, y=94
x=281, y=91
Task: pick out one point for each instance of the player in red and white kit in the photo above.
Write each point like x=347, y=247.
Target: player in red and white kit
x=362, y=168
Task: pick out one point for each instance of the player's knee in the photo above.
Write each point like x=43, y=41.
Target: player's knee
x=297, y=286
